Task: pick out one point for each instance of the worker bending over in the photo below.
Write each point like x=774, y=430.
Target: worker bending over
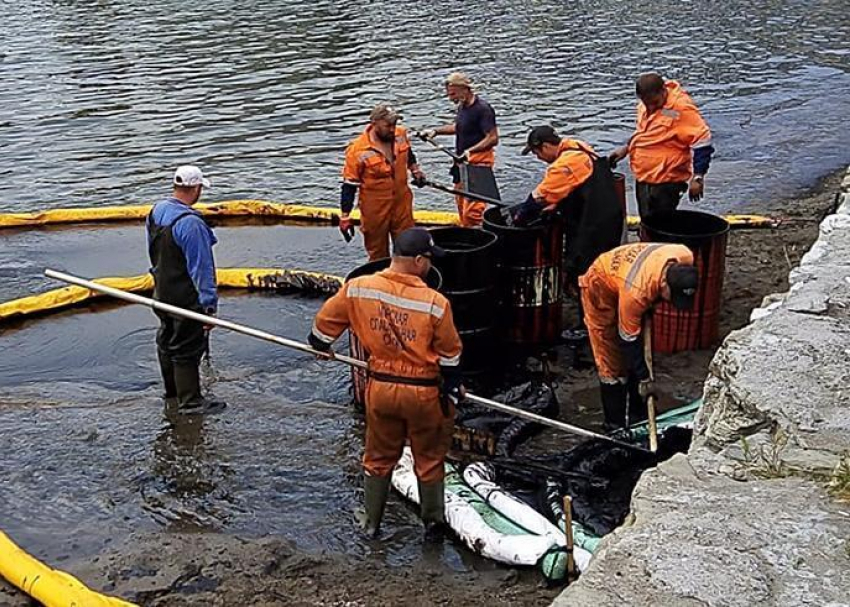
x=476, y=138
x=578, y=188
x=375, y=170
x=670, y=150
x=414, y=378
x=617, y=291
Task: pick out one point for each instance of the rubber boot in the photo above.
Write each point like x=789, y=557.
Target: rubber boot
x=637, y=404
x=375, y=492
x=432, y=504
x=613, y=405
x=187, y=379
x=166, y=369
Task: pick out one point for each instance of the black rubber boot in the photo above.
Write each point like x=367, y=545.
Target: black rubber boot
x=432, y=504
x=189, y=399
x=166, y=369
x=637, y=404
x=375, y=492
x=613, y=398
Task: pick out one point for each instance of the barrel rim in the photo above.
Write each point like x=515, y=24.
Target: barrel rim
x=692, y=212
x=540, y=228
x=477, y=249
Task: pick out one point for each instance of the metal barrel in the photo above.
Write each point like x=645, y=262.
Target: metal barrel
x=706, y=235
x=355, y=347
x=529, y=280
x=469, y=282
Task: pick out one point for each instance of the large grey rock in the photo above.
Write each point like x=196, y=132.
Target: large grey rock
x=745, y=518
x=704, y=539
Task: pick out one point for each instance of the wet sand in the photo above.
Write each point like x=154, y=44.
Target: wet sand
x=154, y=567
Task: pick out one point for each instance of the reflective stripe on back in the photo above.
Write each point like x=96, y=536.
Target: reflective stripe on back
x=394, y=300
x=638, y=264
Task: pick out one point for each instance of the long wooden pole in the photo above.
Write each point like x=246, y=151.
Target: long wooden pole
x=650, y=401
x=297, y=345
x=568, y=531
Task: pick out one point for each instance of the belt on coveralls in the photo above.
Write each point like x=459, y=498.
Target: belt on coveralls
x=435, y=382
x=407, y=381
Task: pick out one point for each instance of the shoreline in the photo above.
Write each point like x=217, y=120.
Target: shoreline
x=216, y=568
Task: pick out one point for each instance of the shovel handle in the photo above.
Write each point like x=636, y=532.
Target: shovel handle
x=442, y=148
x=465, y=194
x=650, y=401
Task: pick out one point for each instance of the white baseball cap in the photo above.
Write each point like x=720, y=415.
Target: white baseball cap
x=187, y=176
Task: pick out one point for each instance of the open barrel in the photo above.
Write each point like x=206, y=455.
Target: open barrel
x=706, y=235
x=469, y=282
x=356, y=349
x=529, y=281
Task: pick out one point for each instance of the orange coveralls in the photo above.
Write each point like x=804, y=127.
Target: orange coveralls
x=660, y=148
x=570, y=170
x=471, y=212
x=408, y=331
x=618, y=289
x=384, y=196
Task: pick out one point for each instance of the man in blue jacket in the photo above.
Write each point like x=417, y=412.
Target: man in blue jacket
x=180, y=248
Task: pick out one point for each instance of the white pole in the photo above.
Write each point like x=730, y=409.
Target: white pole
x=297, y=345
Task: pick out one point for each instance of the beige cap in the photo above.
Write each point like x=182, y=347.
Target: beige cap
x=384, y=111
x=458, y=79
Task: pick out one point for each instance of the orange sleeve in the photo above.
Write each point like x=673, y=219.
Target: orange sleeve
x=562, y=177
x=631, y=308
x=352, y=170
x=332, y=318
x=691, y=129
x=447, y=342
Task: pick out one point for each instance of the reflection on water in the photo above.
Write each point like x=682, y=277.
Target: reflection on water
x=266, y=95
x=186, y=470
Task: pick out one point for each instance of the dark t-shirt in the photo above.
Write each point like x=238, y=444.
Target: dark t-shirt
x=472, y=123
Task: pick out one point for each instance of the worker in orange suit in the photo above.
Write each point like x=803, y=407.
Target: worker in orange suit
x=670, y=149
x=617, y=291
x=414, y=379
x=579, y=187
x=476, y=138
x=375, y=171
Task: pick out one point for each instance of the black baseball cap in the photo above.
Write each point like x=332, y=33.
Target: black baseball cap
x=416, y=241
x=538, y=136
x=683, y=282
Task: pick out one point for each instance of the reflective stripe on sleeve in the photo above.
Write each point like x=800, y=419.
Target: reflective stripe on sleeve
x=627, y=337
x=321, y=336
x=454, y=361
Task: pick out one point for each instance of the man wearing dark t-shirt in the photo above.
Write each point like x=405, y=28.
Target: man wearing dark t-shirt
x=476, y=137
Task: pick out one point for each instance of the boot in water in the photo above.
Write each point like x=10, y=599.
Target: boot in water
x=375, y=492
x=190, y=401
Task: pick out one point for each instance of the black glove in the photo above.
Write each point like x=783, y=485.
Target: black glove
x=525, y=213
x=420, y=181
x=634, y=358
x=318, y=344
x=646, y=388
x=451, y=390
